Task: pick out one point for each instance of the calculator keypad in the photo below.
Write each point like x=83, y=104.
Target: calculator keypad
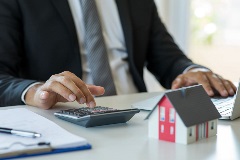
x=80, y=112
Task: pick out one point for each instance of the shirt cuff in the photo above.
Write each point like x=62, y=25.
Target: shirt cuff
x=25, y=91
x=196, y=66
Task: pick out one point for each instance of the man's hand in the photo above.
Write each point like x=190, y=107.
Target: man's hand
x=211, y=82
x=63, y=87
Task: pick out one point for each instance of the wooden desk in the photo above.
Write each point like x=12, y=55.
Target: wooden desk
x=130, y=141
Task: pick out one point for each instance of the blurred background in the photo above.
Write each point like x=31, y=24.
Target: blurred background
x=207, y=31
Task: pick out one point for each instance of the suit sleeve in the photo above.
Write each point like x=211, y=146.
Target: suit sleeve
x=11, y=54
x=165, y=60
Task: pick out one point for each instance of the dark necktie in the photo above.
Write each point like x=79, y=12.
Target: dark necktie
x=96, y=49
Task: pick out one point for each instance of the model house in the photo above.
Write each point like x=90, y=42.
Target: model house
x=183, y=116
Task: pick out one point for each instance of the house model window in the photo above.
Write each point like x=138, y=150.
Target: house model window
x=212, y=125
x=162, y=128
x=190, y=132
x=172, y=115
x=162, y=113
x=171, y=130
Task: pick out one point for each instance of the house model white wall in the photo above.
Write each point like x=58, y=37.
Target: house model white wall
x=183, y=116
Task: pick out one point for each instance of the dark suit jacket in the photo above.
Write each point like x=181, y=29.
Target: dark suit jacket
x=38, y=39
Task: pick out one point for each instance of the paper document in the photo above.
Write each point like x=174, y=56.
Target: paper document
x=23, y=119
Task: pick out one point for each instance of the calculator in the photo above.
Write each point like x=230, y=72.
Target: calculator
x=97, y=116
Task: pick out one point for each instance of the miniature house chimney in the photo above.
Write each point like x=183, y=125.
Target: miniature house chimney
x=183, y=92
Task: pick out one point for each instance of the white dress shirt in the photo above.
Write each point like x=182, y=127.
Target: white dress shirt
x=115, y=43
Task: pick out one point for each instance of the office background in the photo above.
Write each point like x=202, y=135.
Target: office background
x=207, y=31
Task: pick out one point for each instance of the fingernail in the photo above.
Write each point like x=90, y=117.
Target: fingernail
x=72, y=97
x=82, y=100
x=225, y=93
x=43, y=95
x=231, y=92
x=210, y=92
x=178, y=79
x=91, y=104
x=175, y=86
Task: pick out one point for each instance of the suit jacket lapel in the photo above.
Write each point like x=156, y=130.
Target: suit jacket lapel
x=63, y=9
x=124, y=14
x=123, y=9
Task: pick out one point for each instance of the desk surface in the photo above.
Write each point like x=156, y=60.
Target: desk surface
x=130, y=141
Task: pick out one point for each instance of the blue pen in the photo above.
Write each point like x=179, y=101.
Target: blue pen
x=22, y=133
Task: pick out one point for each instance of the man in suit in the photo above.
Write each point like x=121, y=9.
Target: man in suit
x=43, y=53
